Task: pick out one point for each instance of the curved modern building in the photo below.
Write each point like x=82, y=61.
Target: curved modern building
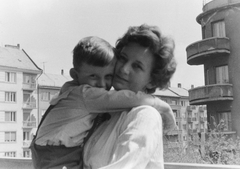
x=219, y=52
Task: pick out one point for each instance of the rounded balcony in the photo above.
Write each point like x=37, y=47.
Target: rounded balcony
x=209, y=48
x=217, y=92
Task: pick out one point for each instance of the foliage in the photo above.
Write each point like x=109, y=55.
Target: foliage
x=217, y=148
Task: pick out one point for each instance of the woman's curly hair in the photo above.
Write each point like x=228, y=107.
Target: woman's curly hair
x=161, y=47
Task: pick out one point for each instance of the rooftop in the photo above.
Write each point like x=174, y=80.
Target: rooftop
x=14, y=57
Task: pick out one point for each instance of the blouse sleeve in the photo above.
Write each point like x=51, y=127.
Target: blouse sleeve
x=139, y=144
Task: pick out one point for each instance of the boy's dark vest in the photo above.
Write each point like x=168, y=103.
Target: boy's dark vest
x=59, y=157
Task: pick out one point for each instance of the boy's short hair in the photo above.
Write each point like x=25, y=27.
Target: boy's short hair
x=94, y=51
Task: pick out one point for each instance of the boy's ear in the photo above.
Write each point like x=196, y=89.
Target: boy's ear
x=73, y=74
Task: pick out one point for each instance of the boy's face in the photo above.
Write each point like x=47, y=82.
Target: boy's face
x=96, y=76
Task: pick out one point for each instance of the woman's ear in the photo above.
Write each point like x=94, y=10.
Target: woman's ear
x=150, y=85
x=73, y=74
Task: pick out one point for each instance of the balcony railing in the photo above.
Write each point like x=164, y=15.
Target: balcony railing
x=26, y=143
x=29, y=86
x=210, y=4
x=29, y=124
x=194, y=119
x=174, y=132
x=199, y=52
x=189, y=119
x=29, y=105
x=26, y=163
x=216, y=92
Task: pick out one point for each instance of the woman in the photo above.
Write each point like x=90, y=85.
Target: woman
x=133, y=139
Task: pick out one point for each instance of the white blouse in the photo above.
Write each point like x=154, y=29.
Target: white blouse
x=129, y=140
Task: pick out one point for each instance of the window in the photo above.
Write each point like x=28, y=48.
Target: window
x=218, y=29
x=10, y=77
x=26, y=154
x=207, y=77
x=10, y=154
x=45, y=96
x=224, y=119
x=10, y=116
x=189, y=114
x=27, y=98
x=182, y=103
x=28, y=79
x=10, y=136
x=177, y=124
x=196, y=126
x=175, y=113
x=222, y=74
x=10, y=96
x=26, y=135
x=203, y=32
x=189, y=126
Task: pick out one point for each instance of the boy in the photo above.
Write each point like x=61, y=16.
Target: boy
x=60, y=137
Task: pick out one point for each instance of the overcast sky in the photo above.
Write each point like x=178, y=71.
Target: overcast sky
x=48, y=30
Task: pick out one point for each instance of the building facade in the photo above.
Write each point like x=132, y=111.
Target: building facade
x=191, y=120
x=219, y=52
x=18, y=101
x=49, y=86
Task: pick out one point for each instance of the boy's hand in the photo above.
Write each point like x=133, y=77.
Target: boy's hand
x=169, y=121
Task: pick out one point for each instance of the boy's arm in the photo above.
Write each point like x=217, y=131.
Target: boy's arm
x=169, y=121
x=98, y=100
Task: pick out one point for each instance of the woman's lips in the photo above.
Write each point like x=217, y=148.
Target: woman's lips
x=119, y=78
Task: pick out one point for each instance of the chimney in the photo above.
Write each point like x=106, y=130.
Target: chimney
x=192, y=86
x=62, y=72
x=179, y=85
x=12, y=46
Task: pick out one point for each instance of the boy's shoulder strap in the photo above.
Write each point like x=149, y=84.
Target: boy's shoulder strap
x=44, y=116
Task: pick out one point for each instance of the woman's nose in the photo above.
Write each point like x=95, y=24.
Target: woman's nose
x=125, y=68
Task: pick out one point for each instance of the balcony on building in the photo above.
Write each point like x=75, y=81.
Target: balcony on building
x=29, y=124
x=210, y=93
x=189, y=119
x=211, y=6
x=195, y=130
x=175, y=132
x=26, y=143
x=210, y=48
x=29, y=105
x=29, y=86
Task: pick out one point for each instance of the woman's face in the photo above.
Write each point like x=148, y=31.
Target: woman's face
x=133, y=68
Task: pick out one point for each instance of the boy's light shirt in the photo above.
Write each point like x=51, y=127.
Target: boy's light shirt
x=131, y=140
x=77, y=106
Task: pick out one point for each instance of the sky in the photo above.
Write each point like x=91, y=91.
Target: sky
x=48, y=30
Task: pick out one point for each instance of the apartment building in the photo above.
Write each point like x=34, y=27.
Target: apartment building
x=49, y=86
x=191, y=121
x=219, y=52
x=18, y=101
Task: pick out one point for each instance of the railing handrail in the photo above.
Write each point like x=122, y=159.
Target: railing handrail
x=26, y=163
x=206, y=39
x=211, y=85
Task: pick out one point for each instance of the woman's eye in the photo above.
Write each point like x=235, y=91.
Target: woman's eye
x=93, y=76
x=122, y=58
x=137, y=66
